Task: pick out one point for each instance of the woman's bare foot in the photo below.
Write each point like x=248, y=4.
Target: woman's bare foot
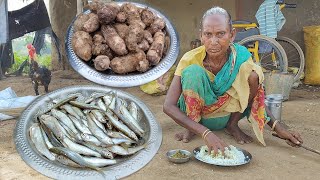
x=238, y=134
x=184, y=136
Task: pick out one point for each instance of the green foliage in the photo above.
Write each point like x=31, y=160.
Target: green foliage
x=21, y=53
x=18, y=60
x=44, y=60
x=20, y=44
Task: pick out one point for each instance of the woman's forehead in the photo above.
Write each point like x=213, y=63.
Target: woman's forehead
x=215, y=21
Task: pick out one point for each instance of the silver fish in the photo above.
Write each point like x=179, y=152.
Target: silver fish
x=52, y=138
x=110, y=100
x=65, y=120
x=79, y=112
x=64, y=111
x=99, y=162
x=73, y=156
x=93, y=97
x=121, y=101
x=103, y=151
x=136, y=149
x=70, y=110
x=98, y=133
x=134, y=111
x=60, y=103
x=115, y=134
x=99, y=116
x=122, y=140
x=79, y=125
x=53, y=124
x=123, y=128
x=109, y=125
x=66, y=161
x=80, y=148
x=46, y=139
x=132, y=123
x=39, y=142
x=91, y=139
x=84, y=105
x=69, y=133
x=126, y=151
x=93, y=103
x=101, y=104
x=118, y=150
x=98, y=123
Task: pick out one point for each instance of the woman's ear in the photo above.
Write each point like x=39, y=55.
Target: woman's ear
x=233, y=34
x=200, y=35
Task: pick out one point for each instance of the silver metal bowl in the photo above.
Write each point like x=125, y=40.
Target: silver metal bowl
x=55, y=170
x=132, y=79
x=178, y=160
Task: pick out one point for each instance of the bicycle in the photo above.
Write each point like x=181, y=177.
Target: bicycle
x=273, y=55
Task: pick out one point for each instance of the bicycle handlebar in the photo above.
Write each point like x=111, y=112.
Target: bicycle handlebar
x=286, y=5
x=290, y=5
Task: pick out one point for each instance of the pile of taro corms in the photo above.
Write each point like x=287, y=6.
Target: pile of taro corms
x=123, y=38
x=99, y=131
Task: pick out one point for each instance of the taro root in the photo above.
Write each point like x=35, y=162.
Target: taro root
x=80, y=21
x=157, y=25
x=147, y=17
x=101, y=63
x=92, y=24
x=81, y=44
x=154, y=54
x=130, y=63
x=108, y=13
x=114, y=41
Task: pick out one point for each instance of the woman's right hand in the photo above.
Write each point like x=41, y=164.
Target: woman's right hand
x=214, y=143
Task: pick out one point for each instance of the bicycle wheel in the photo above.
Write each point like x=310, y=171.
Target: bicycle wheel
x=294, y=54
x=270, y=54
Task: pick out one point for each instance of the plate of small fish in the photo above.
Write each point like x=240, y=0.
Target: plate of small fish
x=84, y=132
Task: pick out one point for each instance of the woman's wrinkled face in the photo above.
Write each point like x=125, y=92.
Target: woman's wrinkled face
x=216, y=35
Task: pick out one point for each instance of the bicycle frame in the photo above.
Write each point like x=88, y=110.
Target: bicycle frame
x=255, y=49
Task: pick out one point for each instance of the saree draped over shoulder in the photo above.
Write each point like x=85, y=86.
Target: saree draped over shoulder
x=210, y=99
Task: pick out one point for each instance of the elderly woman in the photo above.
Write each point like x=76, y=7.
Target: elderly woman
x=216, y=85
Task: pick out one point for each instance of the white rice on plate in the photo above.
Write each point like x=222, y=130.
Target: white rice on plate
x=232, y=156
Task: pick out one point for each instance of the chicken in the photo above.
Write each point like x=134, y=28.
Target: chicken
x=39, y=75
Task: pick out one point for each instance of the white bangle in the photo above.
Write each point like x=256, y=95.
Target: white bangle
x=274, y=124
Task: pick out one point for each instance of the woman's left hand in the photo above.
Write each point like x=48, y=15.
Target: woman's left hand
x=293, y=138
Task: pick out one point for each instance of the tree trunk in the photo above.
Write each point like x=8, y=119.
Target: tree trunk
x=61, y=15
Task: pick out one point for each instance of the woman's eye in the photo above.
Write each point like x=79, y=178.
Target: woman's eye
x=207, y=34
x=221, y=34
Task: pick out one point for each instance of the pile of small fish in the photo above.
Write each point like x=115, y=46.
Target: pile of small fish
x=98, y=131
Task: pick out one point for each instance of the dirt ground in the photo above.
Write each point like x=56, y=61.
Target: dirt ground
x=276, y=161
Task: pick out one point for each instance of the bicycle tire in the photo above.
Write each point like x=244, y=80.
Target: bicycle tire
x=290, y=60
x=283, y=61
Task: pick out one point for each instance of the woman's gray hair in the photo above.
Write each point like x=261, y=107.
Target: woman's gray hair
x=217, y=10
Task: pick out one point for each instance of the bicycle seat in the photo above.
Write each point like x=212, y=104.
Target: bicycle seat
x=243, y=34
x=241, y=22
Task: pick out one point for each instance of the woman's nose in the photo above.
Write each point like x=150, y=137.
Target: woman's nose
x=214, y=40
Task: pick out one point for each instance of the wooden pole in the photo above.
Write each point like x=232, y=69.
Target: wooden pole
x=79, y=7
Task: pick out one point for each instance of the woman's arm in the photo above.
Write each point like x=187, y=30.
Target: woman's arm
x=294, y=137
x=171, y=109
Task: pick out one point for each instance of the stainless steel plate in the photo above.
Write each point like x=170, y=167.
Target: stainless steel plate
x=55, y=170
x=129, y=80
x=246, y=154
